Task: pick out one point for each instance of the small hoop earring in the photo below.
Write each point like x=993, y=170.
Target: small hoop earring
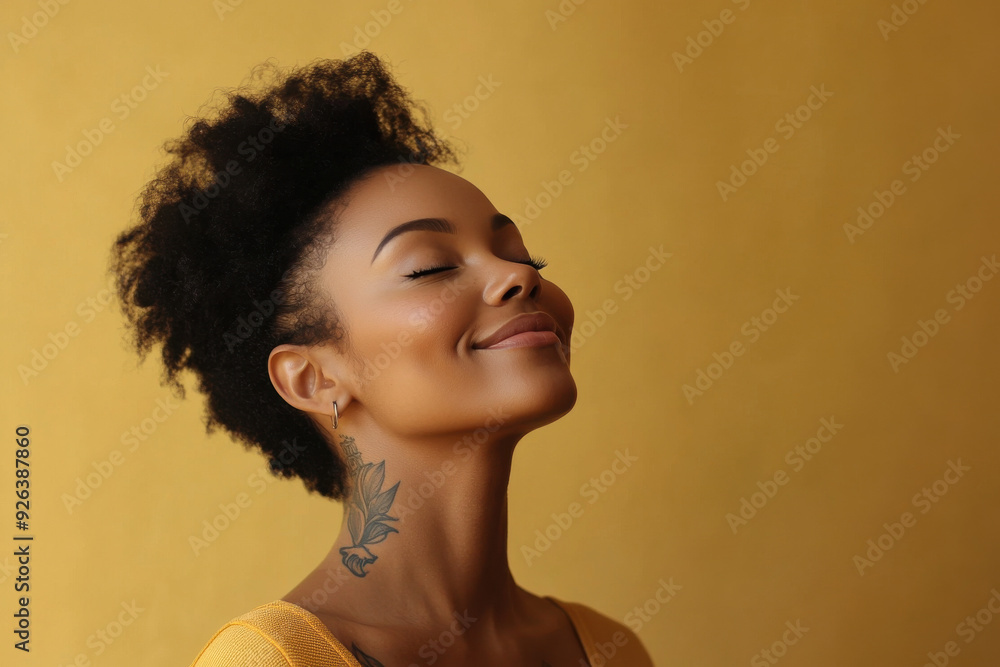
x=335, y=418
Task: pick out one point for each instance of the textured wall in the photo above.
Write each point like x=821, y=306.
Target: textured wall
x=777, y=222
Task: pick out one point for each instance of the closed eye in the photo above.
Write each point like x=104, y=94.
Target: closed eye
x=427, y=272
x=538, y=263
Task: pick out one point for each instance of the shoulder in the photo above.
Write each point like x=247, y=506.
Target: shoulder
x=605, y=640
x=275, y=634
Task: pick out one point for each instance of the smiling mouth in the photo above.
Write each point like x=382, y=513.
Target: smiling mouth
x=526, y=339
x=537, y=329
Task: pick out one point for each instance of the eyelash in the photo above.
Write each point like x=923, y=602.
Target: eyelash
x=538, y=263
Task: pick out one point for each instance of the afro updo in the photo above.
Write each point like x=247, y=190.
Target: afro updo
x=217, y=268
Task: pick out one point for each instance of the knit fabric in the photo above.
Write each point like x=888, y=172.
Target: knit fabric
x=283, y=634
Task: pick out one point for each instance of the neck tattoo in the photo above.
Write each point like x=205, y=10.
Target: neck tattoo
x=365, y=659
x=367, y=509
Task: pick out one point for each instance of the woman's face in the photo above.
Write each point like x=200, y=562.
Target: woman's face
x=419, y=366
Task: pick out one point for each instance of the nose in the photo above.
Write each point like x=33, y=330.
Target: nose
x=509, y=280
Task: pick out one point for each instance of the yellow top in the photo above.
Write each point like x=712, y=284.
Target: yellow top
x=283, y=634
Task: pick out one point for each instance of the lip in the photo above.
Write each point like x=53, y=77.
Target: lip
x=539, y=328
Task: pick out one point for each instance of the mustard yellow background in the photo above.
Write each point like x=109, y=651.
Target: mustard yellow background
x=559, y=75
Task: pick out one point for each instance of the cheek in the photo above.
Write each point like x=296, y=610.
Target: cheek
x=411, y=340
x=418, y=333
x=415, y=377
x=407, y=318
x=558, y=303
x=437, y=320
x=434, y=316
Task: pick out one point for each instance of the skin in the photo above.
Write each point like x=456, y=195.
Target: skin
x=406, y=414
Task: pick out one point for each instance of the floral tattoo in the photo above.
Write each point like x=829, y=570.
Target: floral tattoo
x=365, y=659
x=367, y=510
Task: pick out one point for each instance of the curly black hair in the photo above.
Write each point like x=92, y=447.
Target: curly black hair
x=218, y=267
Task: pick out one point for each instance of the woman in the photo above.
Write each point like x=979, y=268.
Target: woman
x=377, y=328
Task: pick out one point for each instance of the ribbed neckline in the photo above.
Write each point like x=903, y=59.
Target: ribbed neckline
x=320, y=627
x=579, y=627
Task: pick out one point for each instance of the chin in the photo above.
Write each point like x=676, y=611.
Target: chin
x=543, y=402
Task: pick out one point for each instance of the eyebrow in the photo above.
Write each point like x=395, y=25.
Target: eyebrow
x=498, y=221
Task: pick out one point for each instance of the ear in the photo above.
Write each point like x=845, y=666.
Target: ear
x=308, y=378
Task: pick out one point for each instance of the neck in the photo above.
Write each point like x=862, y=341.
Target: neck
x=425, y=524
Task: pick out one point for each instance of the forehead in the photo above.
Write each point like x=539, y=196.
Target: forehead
x=393, y=194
